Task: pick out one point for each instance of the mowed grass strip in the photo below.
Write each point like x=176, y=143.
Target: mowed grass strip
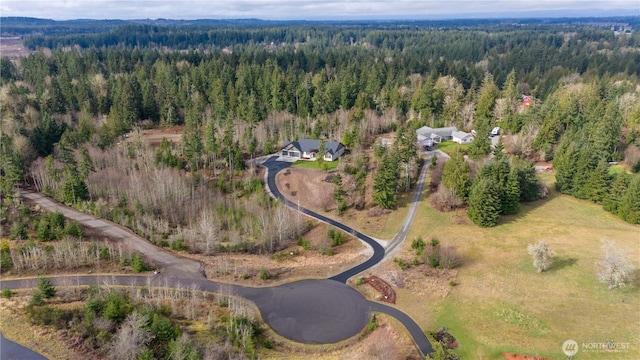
x=449, y=146
x=326, y=165
x=501, y=304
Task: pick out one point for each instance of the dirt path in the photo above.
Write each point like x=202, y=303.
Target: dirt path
x=171, y=264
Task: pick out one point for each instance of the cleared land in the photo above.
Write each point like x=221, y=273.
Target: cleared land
x=501, y=304
x=12, y=48
x=313, y=189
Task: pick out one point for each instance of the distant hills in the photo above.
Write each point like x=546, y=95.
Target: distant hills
x=12, y=26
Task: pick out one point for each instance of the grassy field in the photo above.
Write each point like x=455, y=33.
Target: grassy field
x=501, y=304
x=449, y=146
x=326, y=165
x=617, y=169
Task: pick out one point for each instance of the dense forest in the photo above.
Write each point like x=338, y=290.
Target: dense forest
x=242, y=91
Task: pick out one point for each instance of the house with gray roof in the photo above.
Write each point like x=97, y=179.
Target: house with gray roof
x=430, y=136
x=308, y=149
x=461, y=137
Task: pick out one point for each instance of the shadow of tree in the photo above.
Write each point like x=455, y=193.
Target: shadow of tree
x=562, y=262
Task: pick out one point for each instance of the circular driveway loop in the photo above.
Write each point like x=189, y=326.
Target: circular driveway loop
x=334, y=310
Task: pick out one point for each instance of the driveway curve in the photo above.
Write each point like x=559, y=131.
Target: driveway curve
x=424, y=345
x=273, y=167
x=10, y=350
x=306, y=311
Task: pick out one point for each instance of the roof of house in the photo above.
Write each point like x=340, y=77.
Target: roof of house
x=427, y=132
x=460, y=134
x=311, y=145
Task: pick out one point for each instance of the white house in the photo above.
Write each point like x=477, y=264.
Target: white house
x=434, y=136
x=461, y=137
x=308, y=149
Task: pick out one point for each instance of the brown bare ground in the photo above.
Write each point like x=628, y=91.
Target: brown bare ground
x=155, y=136
x=312, y=189
x=286, y=265
x=13, y=48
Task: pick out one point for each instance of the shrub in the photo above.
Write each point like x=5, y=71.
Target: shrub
x=178, y=245
x=306, y=244
x=74, y=229
x=264, y=274
x=418, y=245
x=116, y=307
x=342, y=206
x=46, y=315
x=138, y=264
x=46, y=288
x=337, y=237
x=403, y=265
x=326, y=251
x=5, y=256
x=373, y=323
x=7, y=293
x=449, y=258
x=36, y=299
x=18, y=231
x=43, y=231
x=445, y=200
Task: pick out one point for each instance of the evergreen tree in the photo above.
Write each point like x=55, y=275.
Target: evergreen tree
x=629, y=209
x=564, y=164
x=596, y=188
x=510, y=195
x=486, y=101
x=481, y=145
x=498, y=150
x=527, y=178
x=618, y=189
x=484, y=203
x=456, y=174
x=585, y=164
x=385, y=185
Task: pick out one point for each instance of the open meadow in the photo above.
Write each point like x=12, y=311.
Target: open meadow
x=501, y=304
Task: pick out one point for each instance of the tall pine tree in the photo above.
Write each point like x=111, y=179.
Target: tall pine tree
x=385, y=185
x=484, y=203
x=456, y=174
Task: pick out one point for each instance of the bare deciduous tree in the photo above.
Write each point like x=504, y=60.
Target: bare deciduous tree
x=615, y=267
x=542, y=255
x=131, y=339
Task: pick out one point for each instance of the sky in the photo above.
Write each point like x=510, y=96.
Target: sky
x=311, y=9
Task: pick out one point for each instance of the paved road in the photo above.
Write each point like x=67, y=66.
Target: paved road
x=399, y=237
x=170, y=263
x=273, y=167
x=308, y=311
x=10, y=350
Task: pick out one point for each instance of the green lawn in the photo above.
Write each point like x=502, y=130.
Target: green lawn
x=502, y=305
x=326, y=165
x=617, y=169
x=448, y=146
